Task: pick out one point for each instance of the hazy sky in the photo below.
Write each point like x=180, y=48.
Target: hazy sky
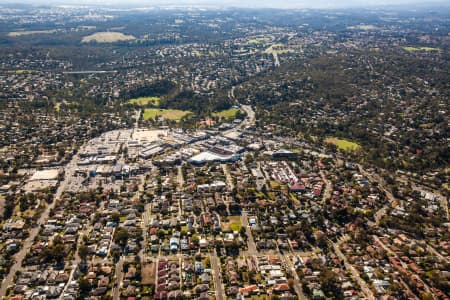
x=237, y=3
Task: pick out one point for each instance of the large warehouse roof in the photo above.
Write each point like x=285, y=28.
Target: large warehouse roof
x=208, y=156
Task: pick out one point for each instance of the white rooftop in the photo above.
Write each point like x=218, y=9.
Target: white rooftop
x=50, y=174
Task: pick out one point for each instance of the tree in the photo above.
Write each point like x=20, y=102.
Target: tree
x=291, y=283
x=330, y=284
x=85, y=286
x=161, y=234
x=115, y=217
x=56, y=252
x=83, y=252
x=8, y=210
x=121, y=237
x=195, y=240
x=426, y=296
x=207, y=262
x=116, y=255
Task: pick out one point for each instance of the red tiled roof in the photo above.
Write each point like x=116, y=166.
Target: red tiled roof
x=248, y=289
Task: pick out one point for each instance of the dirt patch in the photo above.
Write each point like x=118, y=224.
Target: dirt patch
x=148, y=274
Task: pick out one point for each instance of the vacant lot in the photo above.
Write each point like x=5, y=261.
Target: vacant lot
x=143, y=101
x=107, y=37
x=414, y=49
x=148, y=274
x=342, y=144
x=234, y=223
x=171, y=114
x=227, y=114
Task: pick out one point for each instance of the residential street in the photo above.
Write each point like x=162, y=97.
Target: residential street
x=355, y=274
x=250, y=242
x=19, y=256
x=215, y=261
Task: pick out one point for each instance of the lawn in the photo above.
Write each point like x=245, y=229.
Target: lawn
x=274, y=185
x=235, y=223
x=342, y=144
x=414, y=49
x=226, y=114
x=22, y=71
x=259, y=40
x=171, y=114
x=277, y=48
x=142, y=101
x=31, y=32
x=107, y=37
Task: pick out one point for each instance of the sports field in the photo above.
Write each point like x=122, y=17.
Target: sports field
x=415, y=49
x=143, y=101
x=171, y=114
x=227, y=114
x=342, y=144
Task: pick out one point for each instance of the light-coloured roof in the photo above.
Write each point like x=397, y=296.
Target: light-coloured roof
x=209, y=156
x=50, y=174
x=206, y=156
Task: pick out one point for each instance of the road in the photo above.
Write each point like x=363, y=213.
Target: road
x=250, y=241
x=328, y=187
x=89, y=72
x=226, y=171
x=19, y=256
x=231, y=93
x=70, y=170
x=437, y=254
x=381, y=185
x=250, y=120
x=297, y=285
x=77, y=259
x=443, y=200
x=355, y=274
x=381, y=213
x=119, y=267
x=289, y=265
x=180, y=178
x=404, y=265
x=275, y=57
x=385, y=248
x=217, y=276
x=146, y=218
x=138, y=116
